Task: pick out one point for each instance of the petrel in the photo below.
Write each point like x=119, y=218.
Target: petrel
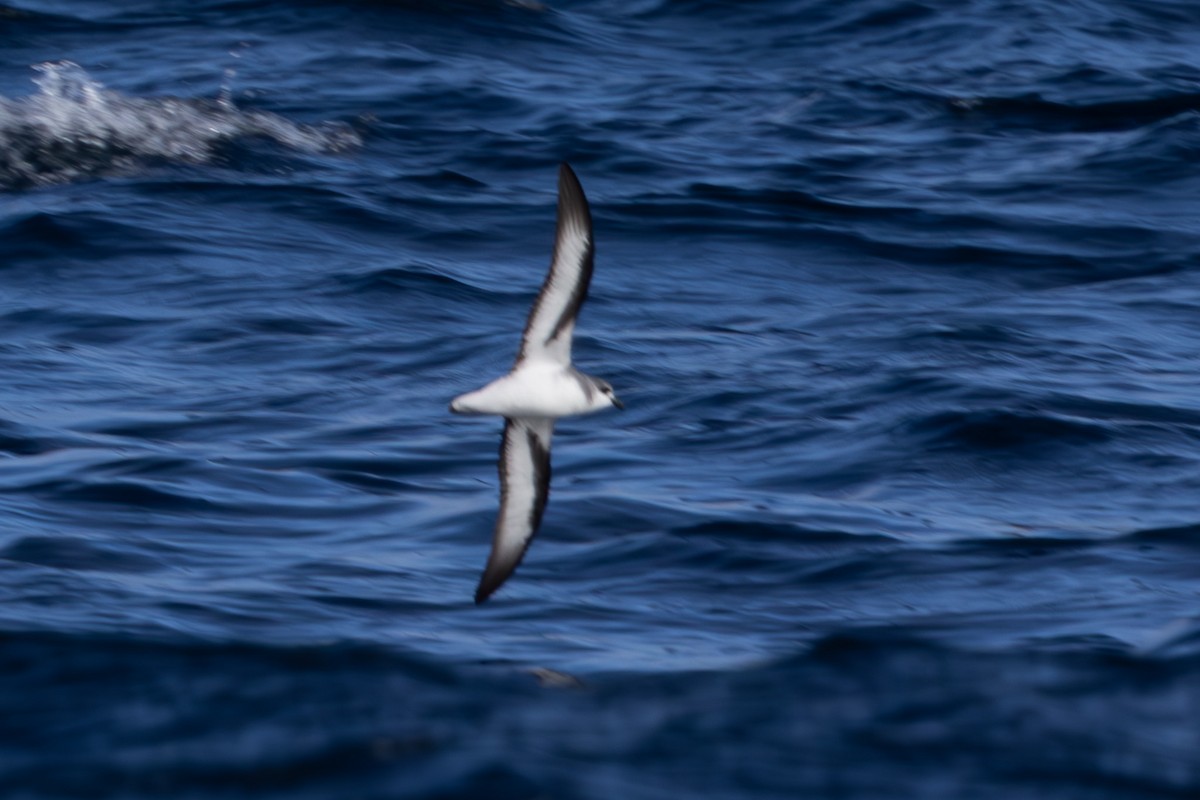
x=541, y=387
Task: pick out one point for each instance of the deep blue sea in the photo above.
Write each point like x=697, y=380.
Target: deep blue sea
x=903, y=300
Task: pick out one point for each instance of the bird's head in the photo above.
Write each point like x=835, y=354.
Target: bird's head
x=606, y=391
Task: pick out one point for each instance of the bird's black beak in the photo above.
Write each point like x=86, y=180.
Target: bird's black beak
x=618, y=403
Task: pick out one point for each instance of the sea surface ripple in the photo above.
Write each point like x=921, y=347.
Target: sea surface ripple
x=903, y=299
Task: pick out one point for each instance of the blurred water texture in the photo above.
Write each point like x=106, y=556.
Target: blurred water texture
x=901, y=297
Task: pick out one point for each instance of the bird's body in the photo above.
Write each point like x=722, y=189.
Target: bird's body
x=542, y=386
x=536, y=388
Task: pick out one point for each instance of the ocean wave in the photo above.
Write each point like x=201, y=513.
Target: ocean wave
x=75, y=128
x=390, y=724
x=407, y=281
x=74, y=234
x=78, y=553
x=1005, y=429
x=1034, y=112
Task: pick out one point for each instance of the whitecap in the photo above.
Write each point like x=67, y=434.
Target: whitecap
x=75, y=128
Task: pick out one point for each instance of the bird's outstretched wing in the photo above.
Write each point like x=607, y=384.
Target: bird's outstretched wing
x=524, y=489
x=552, y=318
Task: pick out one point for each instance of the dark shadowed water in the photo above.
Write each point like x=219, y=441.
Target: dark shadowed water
x=903, y=299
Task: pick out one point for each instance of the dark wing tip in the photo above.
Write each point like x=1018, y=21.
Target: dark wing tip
x=572, y=202
x=565, y=173
x=491, y=580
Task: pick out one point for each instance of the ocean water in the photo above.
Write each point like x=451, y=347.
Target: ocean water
x=903, y=299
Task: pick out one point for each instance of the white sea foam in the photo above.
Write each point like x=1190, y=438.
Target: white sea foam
x=74, y=127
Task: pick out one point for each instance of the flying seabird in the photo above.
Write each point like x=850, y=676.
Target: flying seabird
x=541, y=387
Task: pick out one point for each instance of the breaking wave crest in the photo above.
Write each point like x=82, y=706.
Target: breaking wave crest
x=74, y=128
